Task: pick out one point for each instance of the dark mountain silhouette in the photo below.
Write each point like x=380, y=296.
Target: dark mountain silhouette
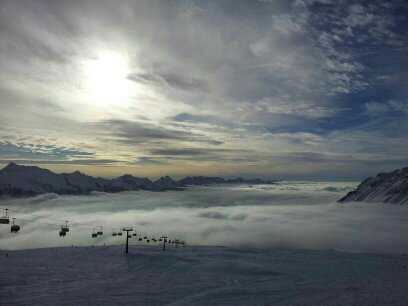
x=16, y=180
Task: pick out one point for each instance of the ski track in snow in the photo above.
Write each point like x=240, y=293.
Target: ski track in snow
x=200, y=276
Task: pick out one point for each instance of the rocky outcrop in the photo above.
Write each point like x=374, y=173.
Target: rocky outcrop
x=389, y=187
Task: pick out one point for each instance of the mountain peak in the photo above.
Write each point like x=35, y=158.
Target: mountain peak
x=166, y=179
x=77, y=173
x=11, y=166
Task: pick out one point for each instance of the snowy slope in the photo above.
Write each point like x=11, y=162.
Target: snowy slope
x=200, y=276
x=385, y=187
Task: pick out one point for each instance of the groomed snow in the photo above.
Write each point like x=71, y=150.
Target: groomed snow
x=200, y=276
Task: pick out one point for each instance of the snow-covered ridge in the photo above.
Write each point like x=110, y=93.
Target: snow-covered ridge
x=16, y=180
x=385, y=187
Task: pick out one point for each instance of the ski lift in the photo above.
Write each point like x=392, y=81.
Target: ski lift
x=5, y=219
x=65, y=228
x=114, y=233
x=119, y=233
x=14, y=227
x=148, y=240
x=62, y=233
x=94, y=235
x=145, y=237
x=140, y=239
x=134, y=234
x=100, y=232
x=160, y=239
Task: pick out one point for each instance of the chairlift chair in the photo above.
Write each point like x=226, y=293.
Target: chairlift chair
x=140, y=239
x=94, y=235
x=160, y=240
x=119, y=233
x=114, y=233
x=14, y=227
x=5, y=219
x=62, y=233
x=134, y=234
x=100, y=232
x=65, y=228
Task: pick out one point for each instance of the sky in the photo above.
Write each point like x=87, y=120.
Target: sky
x=289, y=215
x=304, y=89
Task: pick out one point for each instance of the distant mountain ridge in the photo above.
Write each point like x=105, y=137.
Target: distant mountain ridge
x=17, y=180
x=389, y=187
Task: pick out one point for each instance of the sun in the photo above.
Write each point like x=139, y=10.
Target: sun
x=106, y=79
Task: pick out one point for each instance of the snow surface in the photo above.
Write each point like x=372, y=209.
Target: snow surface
x=200, y=276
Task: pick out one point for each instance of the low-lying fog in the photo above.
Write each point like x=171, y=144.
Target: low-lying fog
x=287, y=215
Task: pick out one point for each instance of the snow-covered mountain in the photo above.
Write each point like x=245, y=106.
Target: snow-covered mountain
x=16, y=180
x=385, y=187
x=168, y=182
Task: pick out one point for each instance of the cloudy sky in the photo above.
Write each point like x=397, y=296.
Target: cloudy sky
x=278, y=89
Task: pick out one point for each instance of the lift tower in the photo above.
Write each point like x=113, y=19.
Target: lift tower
x=164, y=242
x=127, y=230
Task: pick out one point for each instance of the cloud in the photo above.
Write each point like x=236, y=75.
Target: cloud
x=179, y=152
x=288, y=215
x=129, y=132
x=39, y=151
x=399, y=106
x=220, y=216
x=206, y=74
x=376, y=109
x=212, y=215
x=78, y=162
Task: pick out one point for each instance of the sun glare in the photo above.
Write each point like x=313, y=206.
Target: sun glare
x=106, y=79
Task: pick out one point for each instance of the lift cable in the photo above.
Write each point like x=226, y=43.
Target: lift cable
x=60, y=220
x=72, y=223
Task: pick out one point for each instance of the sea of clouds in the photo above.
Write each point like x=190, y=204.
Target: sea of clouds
x=295, y=215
